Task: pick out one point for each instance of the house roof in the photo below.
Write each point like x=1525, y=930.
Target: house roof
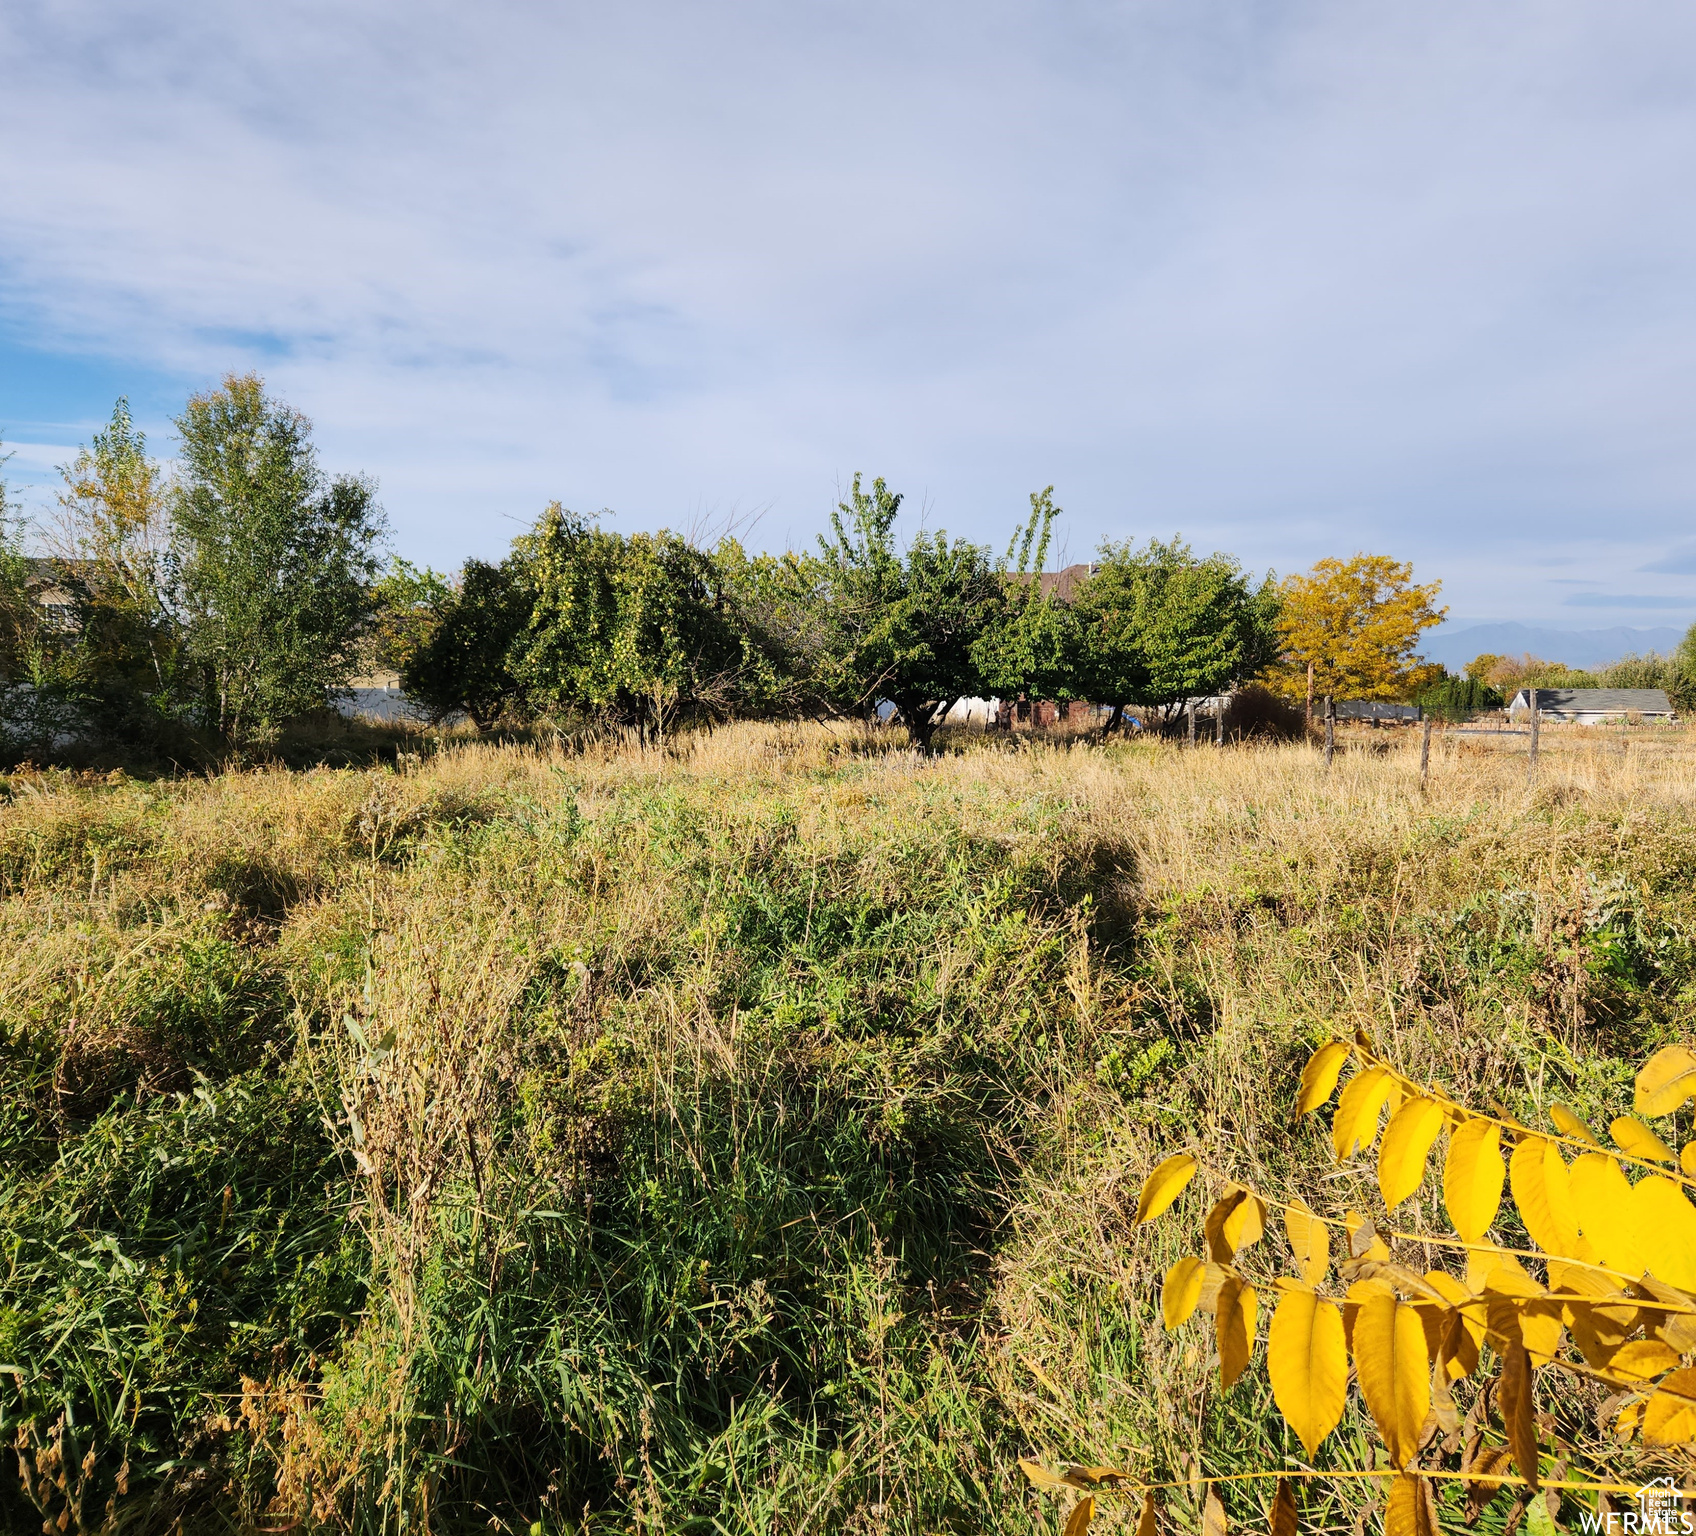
x=1598, y=701
x=1061, y=584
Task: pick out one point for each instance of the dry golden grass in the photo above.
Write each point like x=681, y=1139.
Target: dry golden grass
x=947, y=1009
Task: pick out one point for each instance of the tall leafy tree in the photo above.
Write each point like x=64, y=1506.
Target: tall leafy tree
x=1030, y=647
x=273, y=561
x=904, y=625
x=1350, y=628
x=110, y=545
x=461, y=657
x=1158, y=626
x=774, y=602
x=638, y=626
x=1681, y=674
x=408, y=605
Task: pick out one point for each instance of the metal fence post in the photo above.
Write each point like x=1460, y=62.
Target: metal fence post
x=1191, y=713
x=1219, y=720
x=1425, y=757
x=1330, y=729
x=1531, y=771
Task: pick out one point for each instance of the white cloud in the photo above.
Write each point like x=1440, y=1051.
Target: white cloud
x=1293, y=280
x=38, y=457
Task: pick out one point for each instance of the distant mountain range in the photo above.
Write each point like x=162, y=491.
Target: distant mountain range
x=1575, y=647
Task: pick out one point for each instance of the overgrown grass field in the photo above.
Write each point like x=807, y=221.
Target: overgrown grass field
x=744, y=1137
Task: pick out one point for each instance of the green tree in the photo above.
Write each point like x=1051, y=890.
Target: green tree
x=1157, y=626
x=1031, y=643
x=776, y=605
x=1634, y=671
x=273, y=563
x=637, y=626
x=109, y=545
x=408, y=601
x=1459, y=698
x=1681, y=678
x=464, y=660
x=902, y=625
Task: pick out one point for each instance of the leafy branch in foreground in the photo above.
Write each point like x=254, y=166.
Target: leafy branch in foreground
x=1616, y=1304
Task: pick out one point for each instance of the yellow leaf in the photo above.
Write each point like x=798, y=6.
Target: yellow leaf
x=1284, y=1522
x=1665, y=1224
x=1181, y=1291
x=1669, y=1418
x=1308, y=1361
x=1146, y=1526
x=1164, y=1185
x=1356, y=1120
x=1673, y=1321
x=1507, y=1277
x=1359, y=1292
x=1244, y=1225
x=1319, y=1076
x=1463, y=1352
x=1668, y=1078
x=1212, y=1277
x=1634, y=1137
x=1687, y=1159
x=1519, y=1418
x=1568, y=1124
x=1310, y=1241
x=1629, y=1418
x=1082, y=1513
x=1409, y=1511
x=1377, y=1250
x=1472, y=1178
x=1040, y=1476
x=1233, y=1324
x=1543, y=1194
x=1540, y=1329
x=1236, y=1221
x=1444, y=1343
x=1392, y=1367
x=1212, y=1515
x=1213, y=1227
x=1642, y=1359
x=1517, y=1306
x=1446, y=1286
x=1094, y=1477
x=1601, y=1197
x=1598, y=1329
x=1407, y=1144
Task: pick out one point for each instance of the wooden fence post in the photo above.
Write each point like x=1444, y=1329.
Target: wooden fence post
x=1425, y=757
x=1531, y=771
x=1330, y=729
x=1219, y=720
x=1191, y=712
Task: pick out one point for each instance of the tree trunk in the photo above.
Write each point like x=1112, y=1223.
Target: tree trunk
x=917, y=715
x=1115, y=720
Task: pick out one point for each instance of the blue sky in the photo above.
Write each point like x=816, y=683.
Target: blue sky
x=1291, y=279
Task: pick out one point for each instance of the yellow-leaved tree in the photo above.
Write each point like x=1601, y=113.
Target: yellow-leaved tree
x=1349, y=628
x=1605, y=1294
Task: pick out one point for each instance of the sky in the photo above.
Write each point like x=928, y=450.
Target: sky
x=1290, y=279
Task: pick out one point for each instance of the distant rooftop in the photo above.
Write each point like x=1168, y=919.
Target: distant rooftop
x=1595, y=701
x=1062, y=584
